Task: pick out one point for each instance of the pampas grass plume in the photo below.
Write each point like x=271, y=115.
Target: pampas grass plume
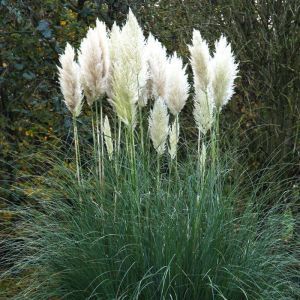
x=224, y=72
x=133, y=43
x=128, y=73
x=94, y=62
x=203, y=98
x=203, y=109
x=173, y=139
x=200, y=61
x=69, y=79
x=159, y=125
x=124, y=93
x=157, y=65
x=178, y=87
x=108, y=138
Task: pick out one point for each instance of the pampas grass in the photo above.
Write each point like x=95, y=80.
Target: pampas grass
x=224, y=72
x=128, y=227
x=69, y=79
x=94, y=62
x=158, y=65
x=173, y=139
x=178, y=87
x=71, y=88
x=159, y=125
x=108, y=138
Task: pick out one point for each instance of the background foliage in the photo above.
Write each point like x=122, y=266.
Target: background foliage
x=264, y=113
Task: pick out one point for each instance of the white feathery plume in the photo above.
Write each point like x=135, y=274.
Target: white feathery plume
x=69, y=79
x=224, y=72
x=94, y=62
x=203, y=109
x=108, y=138
x=178, y=87
x=203, y=98
x=159, y=125
x=200, y=61
x=115, y=37
x=133, y=43
x=157, y=65
x=128, y=73
x=173, y=139
x=124, y=93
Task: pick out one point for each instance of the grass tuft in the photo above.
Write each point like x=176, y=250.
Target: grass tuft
x=190, y=237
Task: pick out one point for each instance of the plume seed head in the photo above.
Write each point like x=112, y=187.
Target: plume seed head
x=159, y=125
x=224, y=72
x=200, y=61
x=157, y=66
x=173, y=139
x=69, y=79
x=128, y=72
x=108, y=138
x=178, y=87
x=94, y=62
x=204, y=109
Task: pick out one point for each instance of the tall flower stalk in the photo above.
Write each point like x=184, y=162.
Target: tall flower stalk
x=224, y=72
x=108, y=138
x=128, y=77
x=70, y=84
x=176, y=96
x=94, y=63
x=203, y=101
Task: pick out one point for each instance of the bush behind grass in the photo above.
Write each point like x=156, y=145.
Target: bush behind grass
x=180, y=238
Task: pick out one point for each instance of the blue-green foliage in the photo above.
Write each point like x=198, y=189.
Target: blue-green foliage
x=189, y=237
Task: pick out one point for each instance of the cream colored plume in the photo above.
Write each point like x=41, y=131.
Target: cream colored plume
x=159, y=125
x=94, y=62
x=202, y=71
x=69, y=79
x=203, y=109
x=157, y=66
x=173, y=139
x=178, y=87
x=133, y=44
x=108, y=138
x=200, y=61
x=128, y=72
x=224, y=72
x=124, y=93
x=115, y=37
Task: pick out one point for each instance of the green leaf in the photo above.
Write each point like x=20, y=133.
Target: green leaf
x=19, y=66
x=28, y=75
x=44, y=28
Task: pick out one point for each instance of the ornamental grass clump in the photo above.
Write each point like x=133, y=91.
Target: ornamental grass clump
x=131, y=224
